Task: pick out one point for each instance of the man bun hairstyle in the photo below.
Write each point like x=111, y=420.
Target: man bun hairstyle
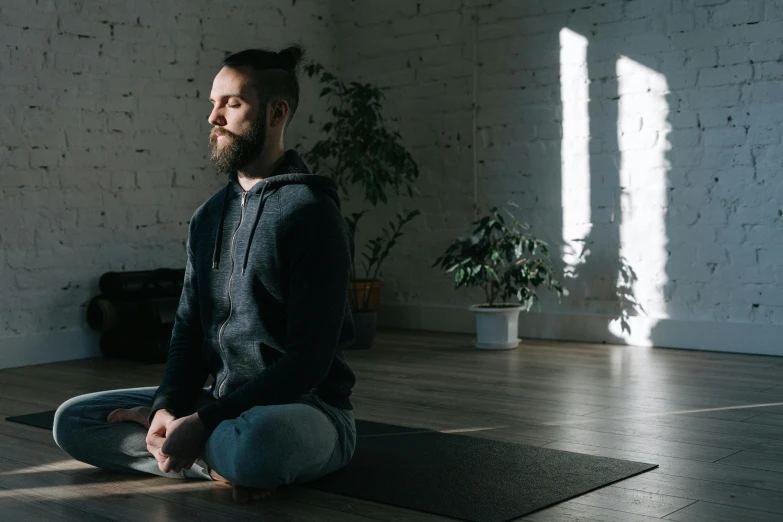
x=274, y=73
x=290, y=57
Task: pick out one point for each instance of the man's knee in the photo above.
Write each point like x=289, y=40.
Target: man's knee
x=261, y=455
x=279, y=451
x=66, y=418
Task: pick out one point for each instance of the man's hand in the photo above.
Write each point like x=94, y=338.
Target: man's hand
x=156, y=436
x=184, y=440
x=156, y=432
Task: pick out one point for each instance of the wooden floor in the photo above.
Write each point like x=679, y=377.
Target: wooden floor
x=713, y=422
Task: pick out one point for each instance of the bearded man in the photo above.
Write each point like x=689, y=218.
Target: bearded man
x=264, y=311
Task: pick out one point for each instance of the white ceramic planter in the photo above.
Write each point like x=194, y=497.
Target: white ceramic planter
x=497, y=328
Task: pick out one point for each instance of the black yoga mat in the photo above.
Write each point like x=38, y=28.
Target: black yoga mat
x=465, y=477
x=459, y=476
x=44, y=419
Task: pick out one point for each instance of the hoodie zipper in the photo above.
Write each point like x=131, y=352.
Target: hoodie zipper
x=231, y=275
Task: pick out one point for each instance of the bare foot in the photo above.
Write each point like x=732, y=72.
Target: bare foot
x=241, y=494
x=138, y=414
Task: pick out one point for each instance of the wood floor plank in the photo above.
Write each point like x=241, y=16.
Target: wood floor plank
x=637, y=427
x=595, y=358
x=708, y=491
x=12, y=407
x=43, y=398
x=701, y=511
x=287, y=505
x=766, y=418
x=734, y=415
x=648, y=445
x=558, y=389
x=679, y=467
x=40, y=456
x=445, y=419
x=109, y=499
x=573, y=512
x=360, y=507
x=442, y=394
x=755, y=460
x=720, y=426
x=298, y=511
x=634, y=501
x=436, y=420
x=92, y=379
x=15, y=505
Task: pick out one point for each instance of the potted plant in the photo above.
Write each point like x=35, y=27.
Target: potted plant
x=507, y=263
x=358, y=150
x=364, y=291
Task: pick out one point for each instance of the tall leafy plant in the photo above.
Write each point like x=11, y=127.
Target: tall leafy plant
x=358, y=150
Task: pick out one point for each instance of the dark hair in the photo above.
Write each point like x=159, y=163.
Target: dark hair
x=274, y=73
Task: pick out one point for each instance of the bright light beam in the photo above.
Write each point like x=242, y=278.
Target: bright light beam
x=642, y=130
x=574, y=152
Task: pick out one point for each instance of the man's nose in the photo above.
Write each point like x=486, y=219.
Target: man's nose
x=216, y=117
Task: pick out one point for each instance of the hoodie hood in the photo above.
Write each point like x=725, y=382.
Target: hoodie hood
x=290, y=171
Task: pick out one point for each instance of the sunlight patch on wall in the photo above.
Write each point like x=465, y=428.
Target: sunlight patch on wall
x=575, y=152
x=642, y=130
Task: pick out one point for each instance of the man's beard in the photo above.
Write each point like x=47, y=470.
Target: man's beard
x=239, y=150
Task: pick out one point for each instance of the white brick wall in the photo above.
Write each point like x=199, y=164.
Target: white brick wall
x=685, y=152
x=103, y=149
x=103, y=142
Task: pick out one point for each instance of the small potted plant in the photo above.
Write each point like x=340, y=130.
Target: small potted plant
x=507, y=263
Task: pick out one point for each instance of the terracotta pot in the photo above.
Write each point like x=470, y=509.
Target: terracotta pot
x=358, y=291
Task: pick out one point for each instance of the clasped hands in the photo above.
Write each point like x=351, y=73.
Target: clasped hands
x=175, y=443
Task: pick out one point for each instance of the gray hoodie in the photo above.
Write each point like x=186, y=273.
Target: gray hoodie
x=264, y=306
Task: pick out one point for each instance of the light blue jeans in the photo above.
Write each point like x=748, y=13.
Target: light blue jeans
x=265, y=447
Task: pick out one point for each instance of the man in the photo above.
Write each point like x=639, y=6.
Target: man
x=264, y=310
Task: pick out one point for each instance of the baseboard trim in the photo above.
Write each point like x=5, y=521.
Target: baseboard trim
x=51, y=347
x=748, y=338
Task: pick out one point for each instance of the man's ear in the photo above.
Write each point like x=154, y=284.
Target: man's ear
x=277, y=112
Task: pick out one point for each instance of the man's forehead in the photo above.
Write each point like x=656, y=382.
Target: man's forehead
x=232, y=82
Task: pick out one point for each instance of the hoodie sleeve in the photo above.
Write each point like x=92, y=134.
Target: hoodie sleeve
x=185, y=371
x=318, y=247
